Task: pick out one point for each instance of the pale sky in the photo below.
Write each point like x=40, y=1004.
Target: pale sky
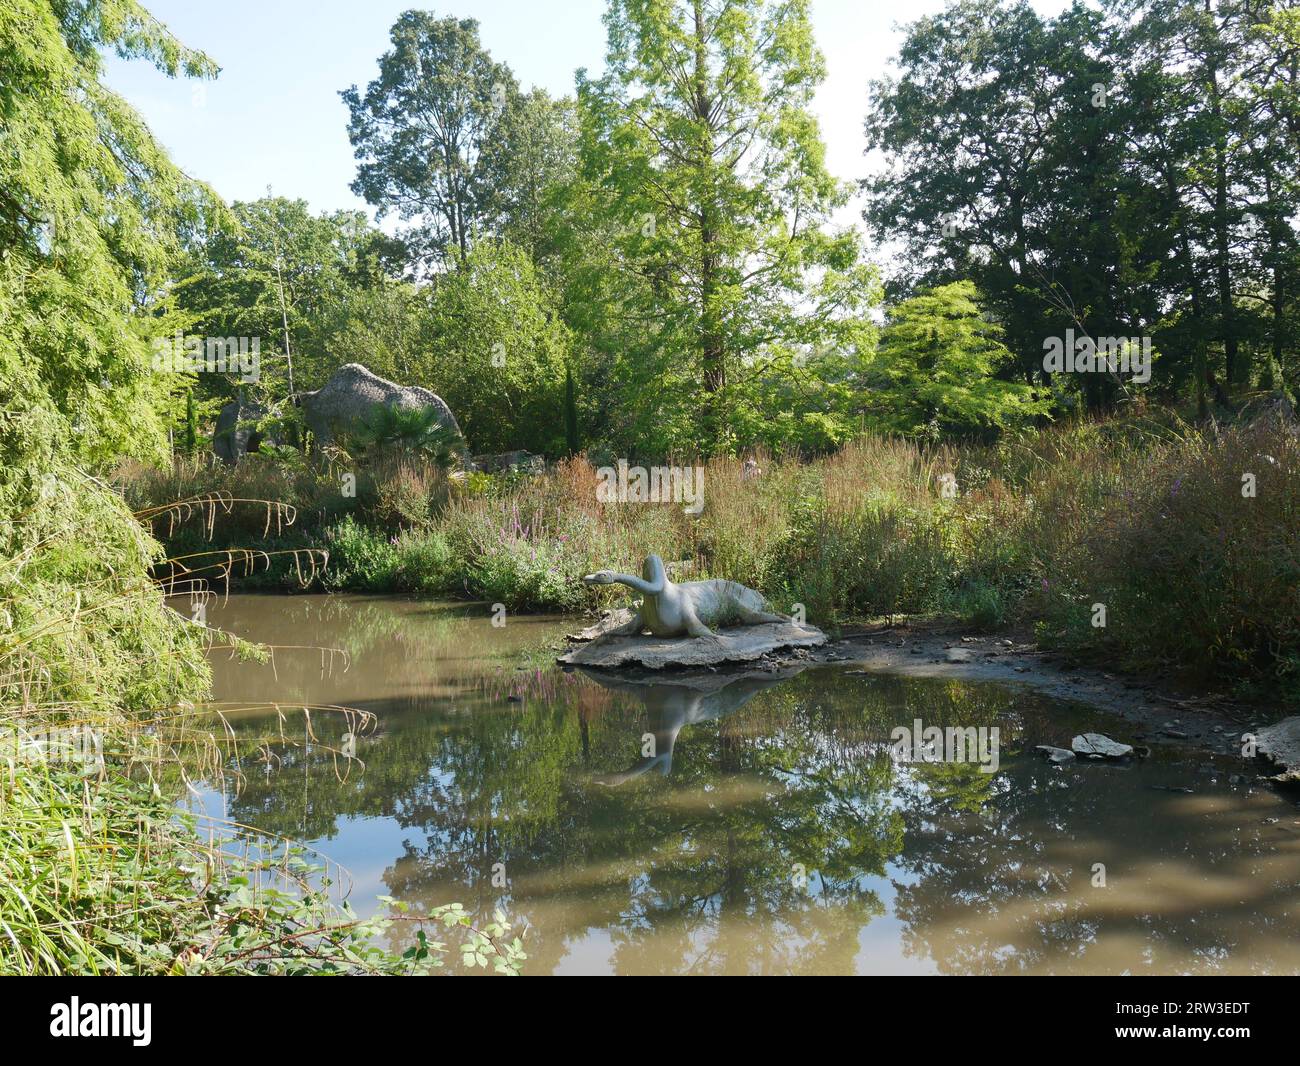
x=274, y=116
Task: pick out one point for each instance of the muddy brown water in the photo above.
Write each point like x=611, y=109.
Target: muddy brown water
x=741, y=825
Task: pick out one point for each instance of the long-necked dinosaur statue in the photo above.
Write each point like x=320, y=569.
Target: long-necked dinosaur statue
x=691, y=608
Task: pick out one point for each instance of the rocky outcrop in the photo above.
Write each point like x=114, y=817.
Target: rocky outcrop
x=735, y=644
x=1055, y=755
x=1280, y=744
x=1097, y=746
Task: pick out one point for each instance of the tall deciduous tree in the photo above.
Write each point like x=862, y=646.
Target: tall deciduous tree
x=424, y=132
x=705, y=170
x=90, y=213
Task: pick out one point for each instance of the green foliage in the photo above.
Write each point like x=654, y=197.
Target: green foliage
x=518, y=564
x=1118, y=169
x=271, y=268
x=498, y=350
x=97, y=877
x=360, y=557
x=407, y=432
x=90, y=210
x=82, y=617
x=935, y=374
x=703, y=269
x=444, y=137
x=96, y=874
x=981, y=605
x=1189, y=569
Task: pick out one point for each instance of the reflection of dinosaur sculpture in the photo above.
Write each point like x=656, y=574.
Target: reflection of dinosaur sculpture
x=686, y=701
x=689, y=609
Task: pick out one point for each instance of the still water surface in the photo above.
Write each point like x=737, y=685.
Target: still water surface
x=771, y=831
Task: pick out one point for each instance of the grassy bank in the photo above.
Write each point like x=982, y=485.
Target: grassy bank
x=1126, y=540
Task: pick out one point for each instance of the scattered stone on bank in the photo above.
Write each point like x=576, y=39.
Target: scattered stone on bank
x=958, y=655
x=1097, y=746
x=515, y=462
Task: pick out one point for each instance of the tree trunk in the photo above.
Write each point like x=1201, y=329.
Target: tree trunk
x=712, y=349
x=1222, y=246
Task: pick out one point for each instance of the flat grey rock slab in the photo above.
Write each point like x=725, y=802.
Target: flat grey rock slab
x=705, y=682
x=1281, y=744
x=735, y=644
x=1097, y=746
x=610, y=620
x=1057, y=755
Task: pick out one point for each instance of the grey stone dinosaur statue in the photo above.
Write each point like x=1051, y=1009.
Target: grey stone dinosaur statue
x=690, y=609
x=237, y=433
x=346, y=401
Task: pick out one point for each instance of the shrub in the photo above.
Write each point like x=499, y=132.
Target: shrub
x=426, y=563
x=361, y=558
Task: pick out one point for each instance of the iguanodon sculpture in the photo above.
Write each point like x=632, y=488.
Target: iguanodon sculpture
x=691, y=608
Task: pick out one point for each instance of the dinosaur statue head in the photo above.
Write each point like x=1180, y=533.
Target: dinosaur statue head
x=651, y=583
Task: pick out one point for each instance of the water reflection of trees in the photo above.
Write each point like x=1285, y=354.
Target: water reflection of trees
x=757, y=852
x=1193, y=884
x=699, y=869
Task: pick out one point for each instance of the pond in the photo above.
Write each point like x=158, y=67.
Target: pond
x=748, y=824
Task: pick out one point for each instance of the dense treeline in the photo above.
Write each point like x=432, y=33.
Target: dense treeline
x=650, y=267
x=1122, y=170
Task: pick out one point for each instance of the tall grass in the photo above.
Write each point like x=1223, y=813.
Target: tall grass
x=1143, y=516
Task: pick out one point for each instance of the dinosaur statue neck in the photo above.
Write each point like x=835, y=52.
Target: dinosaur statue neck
x=654, y=581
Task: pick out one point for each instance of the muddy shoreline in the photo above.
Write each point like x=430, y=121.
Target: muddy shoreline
x=1159, y=709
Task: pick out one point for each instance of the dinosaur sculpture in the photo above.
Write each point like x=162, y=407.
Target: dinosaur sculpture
x=348, y=399
x=238, y=431
x=669, y=609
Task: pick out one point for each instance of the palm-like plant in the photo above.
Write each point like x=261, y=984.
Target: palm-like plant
x=410, y=431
